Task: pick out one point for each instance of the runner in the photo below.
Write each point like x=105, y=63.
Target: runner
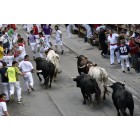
x=58, y=39
x=27, y=68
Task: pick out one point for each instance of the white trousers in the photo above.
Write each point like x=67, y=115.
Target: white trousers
x=112, y=50
x=69, y=30
x=126, y=59
x=5, y=87
x=47, y=38
x=33, y=46
x=58, y=41
x=15, y=86
x=28, y=78
x=37, y=39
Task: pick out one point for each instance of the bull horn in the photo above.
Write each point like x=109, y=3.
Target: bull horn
x=76, y=57
x=124, y=82
x=72, y=77
x=109, y=85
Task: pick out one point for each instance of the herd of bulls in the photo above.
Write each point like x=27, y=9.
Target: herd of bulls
x=92, y=79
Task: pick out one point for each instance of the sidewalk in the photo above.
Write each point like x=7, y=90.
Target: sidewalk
x=78, y=46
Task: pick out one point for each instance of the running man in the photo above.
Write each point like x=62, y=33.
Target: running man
x=27, y=68
x=58, y=39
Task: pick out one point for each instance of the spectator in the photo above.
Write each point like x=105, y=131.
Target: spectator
x=124, y=50
x=102, y=41
x=68, y=28
x=133, y=53
x=112, y=45
x=88, y=31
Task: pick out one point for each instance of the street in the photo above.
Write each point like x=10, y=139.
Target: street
x=64, y=98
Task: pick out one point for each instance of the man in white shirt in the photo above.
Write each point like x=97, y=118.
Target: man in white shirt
x=3, y=106
x=58, y=39
x=27, y=68
x=42, y=47
x=88, y=31
x=32, y=43
x=21, y=53
x=112, y=45
x=9, y=58
x=5, y=40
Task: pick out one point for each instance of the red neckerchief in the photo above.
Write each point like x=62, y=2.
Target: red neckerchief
x=2, y=100
x=111, y=35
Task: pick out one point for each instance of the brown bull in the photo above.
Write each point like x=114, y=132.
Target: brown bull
x=83, y=64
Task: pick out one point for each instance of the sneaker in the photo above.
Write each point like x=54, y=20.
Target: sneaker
x=29, y=91
x=31, y=88
x=19, y=101
x=112, y=64
x=128, y=69
x=62, y=52
x=12, y=98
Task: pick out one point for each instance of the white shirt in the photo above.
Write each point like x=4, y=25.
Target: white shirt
x=58, y=34
x=25, y=66
x=3, y=108
x=8, y=60
x=113, y=39
x=99, y=27
x=23, y=51
x=43, y=42
x=86, y=26
x=15, y=39
x=4, y=38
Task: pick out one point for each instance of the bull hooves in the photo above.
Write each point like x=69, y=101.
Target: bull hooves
x=84, y=103
x=60, y=71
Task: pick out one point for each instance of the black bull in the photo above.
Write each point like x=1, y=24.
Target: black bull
x=88, y=86
x=122, y=99
x=45, y=68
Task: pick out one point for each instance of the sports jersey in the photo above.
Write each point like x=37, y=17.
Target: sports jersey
x=12, y=74
x=124, y=50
